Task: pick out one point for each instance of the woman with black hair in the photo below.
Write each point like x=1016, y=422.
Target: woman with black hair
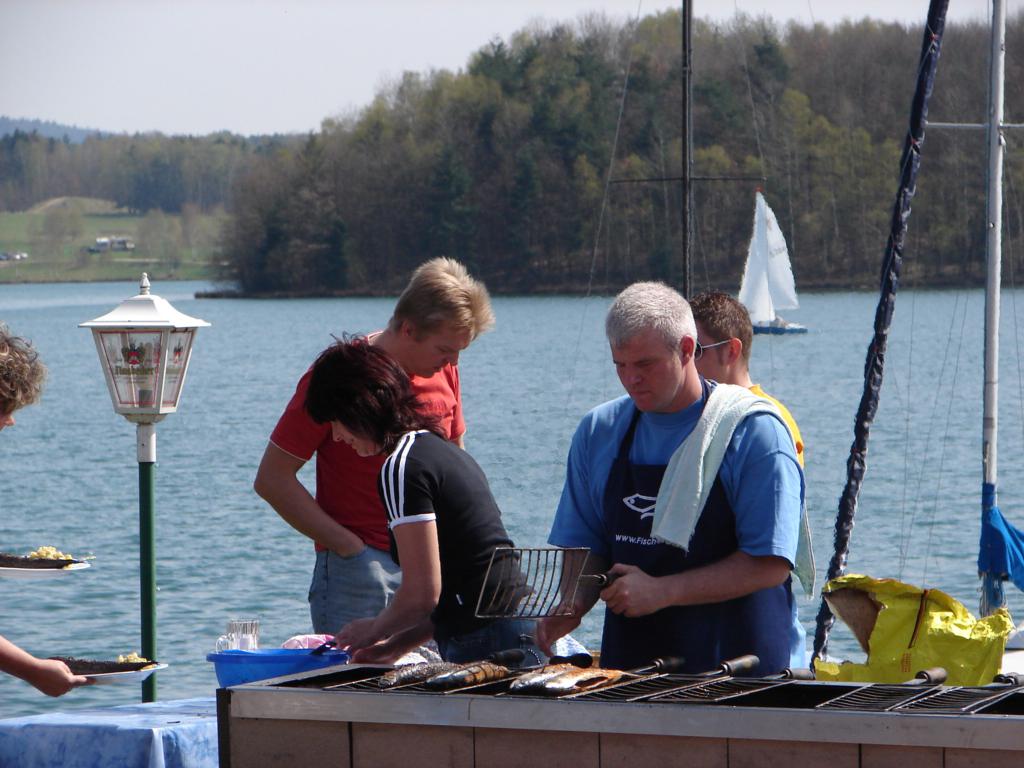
x=443, y=520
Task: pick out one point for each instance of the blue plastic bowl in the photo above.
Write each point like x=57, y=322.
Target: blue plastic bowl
x=237, y=667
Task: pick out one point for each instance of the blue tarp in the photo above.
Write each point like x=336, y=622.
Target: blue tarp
x=1001, y=552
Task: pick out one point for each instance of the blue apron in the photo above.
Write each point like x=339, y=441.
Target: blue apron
x=705, y=635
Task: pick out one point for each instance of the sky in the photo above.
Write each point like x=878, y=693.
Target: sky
x=256, y=66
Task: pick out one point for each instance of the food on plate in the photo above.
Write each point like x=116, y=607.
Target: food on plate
x=468, y=674
x=44, y=557
x=98, y=667
x=48, y=553
x=132, y=658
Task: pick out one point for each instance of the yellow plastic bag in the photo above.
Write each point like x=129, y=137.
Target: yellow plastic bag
x=905, y=629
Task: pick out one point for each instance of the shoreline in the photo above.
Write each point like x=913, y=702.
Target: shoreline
x=824, y=286
x=571, y=290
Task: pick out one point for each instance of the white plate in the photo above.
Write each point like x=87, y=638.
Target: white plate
x=39, y=573
x=106, y=678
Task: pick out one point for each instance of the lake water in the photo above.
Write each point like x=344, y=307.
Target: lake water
x=71, y=477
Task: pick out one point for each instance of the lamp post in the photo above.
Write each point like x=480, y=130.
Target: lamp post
x=144, y=346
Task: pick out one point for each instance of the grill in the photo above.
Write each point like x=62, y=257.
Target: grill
x=352, y=677
x=634, y=690
x=368, y=681
x=878, y=698
x=957, y=701
x=1008, y=705
x=719, y=690
x=792, y=695
x=718, y=687
x=344, y=712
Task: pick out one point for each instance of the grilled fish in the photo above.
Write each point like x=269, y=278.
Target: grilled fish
x=579, y=680
x=414, y=673
x=468, y=674
x=532, y=681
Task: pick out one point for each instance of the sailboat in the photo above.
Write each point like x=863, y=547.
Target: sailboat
x=768, y=284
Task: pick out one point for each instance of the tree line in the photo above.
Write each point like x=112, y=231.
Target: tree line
x=551, y=163
x=140, y=173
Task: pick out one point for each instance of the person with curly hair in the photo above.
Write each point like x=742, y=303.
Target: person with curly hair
x=21, y=375
x=21, y=382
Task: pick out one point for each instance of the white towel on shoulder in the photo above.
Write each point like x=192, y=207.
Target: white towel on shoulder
x=692, y=470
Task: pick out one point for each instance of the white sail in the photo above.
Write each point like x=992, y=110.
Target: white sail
x=768, y=283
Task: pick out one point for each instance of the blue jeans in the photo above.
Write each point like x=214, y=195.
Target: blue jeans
x=348, y=588
x=498, y=635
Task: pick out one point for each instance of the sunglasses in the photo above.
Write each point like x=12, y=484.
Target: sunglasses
x=699, y=349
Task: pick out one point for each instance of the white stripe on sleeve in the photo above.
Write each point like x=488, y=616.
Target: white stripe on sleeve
x=393, y=477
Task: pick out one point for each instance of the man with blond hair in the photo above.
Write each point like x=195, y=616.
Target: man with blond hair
x=440, y=312
x=706, y=577
x=21, y=383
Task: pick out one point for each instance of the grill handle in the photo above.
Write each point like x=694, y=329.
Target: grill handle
x=737, y=666
x=665, y=664
x=581, y=660
x=800, y=673
x=1011, y=678
x=601, y=579
x=930, y=676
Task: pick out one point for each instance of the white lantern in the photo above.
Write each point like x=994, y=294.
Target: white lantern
x=144, y=347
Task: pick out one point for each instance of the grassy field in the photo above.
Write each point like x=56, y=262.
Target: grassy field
x=56, y=234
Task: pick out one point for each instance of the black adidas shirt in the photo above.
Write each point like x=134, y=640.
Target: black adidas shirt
x=429, y=478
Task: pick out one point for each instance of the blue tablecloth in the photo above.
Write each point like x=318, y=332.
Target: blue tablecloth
x=164, y=734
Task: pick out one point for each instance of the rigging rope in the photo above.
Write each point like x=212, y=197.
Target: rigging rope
x=944, y=443
x=1008, y=239
x=906, y=442
x=891, y=263
x=604, y=205
x=753, y=105
x=907, y=526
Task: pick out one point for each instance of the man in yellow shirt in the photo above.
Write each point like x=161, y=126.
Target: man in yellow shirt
x=725, y=336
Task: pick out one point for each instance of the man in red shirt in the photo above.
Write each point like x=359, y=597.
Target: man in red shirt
x=440, y=312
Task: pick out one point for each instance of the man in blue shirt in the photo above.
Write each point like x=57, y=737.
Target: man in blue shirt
x=728, y=592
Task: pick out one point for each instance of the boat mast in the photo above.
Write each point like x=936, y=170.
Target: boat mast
x=687, y=129
x=992, y=596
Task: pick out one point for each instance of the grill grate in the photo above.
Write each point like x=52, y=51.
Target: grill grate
x=354, y=675
x=793, y=695
x=372, y=685
x=955, y=701
x=1012, y=704
x=628, y=690
x=717, y=690
x=531, y=582
x=878, y=698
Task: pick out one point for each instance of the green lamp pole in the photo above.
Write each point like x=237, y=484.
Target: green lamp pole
x=146, y=446
x=145, y=346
